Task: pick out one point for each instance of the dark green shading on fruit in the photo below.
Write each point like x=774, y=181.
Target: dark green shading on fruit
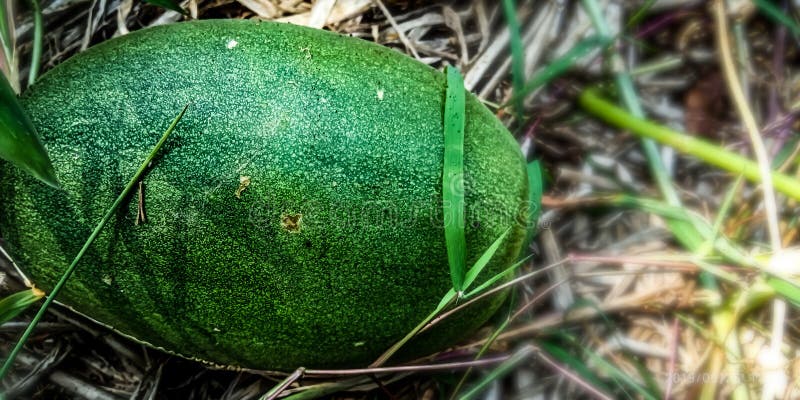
x=294, y=218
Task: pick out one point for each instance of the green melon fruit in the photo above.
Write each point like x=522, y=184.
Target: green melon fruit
x=294, y=216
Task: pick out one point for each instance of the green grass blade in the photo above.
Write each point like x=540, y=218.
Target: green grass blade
x=517, y=52
x=706, y=151
x=446, y=300
x=109, y=213
x=772, y=11
x=168, y=4
x=501, y=370
x=560, y=66
x=535, y=191
x=639, y=15
x=450, y=296
x=491, y=281
x=453, y=177
x=19, y=142
x=36, y=54
x=483, y=261
x=16, y=303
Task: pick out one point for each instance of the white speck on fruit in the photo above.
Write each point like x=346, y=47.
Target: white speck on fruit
x=380, y=94
x=231, y=44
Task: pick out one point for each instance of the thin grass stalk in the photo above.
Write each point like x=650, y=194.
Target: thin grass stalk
x=36, y=54
x=276, y=391
x=9, y=362
x=517, y=53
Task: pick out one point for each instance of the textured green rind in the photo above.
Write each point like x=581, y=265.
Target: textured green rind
x=345, y=132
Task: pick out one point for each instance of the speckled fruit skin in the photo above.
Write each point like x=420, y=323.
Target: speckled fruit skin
x=333, y=251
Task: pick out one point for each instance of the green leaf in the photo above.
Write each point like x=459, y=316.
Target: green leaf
x=97, y=229
x=453, y=177
x=491, y=281
x=168, y=4
x=19, y=142
x=16, y=303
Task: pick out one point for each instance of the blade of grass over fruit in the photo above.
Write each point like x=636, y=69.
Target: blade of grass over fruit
x=168, y=4
x=19, y=142
x=712, y=154
x=453, y=177
x=517, y=51
x=535, y=191
x=559, y=66
x=483, y=261
x=36, y=53
x=772, y=11
x=491, y=281
x=14, y=304
x=499, y=372
x=109, y=213
x=448, y=298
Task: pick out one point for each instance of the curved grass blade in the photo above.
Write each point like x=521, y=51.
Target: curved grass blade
x=168, y=4
x=453, y=177
x=109, y=213
x=772, y=11
x=14, y=304
x=19, y=142
x=483, y=261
